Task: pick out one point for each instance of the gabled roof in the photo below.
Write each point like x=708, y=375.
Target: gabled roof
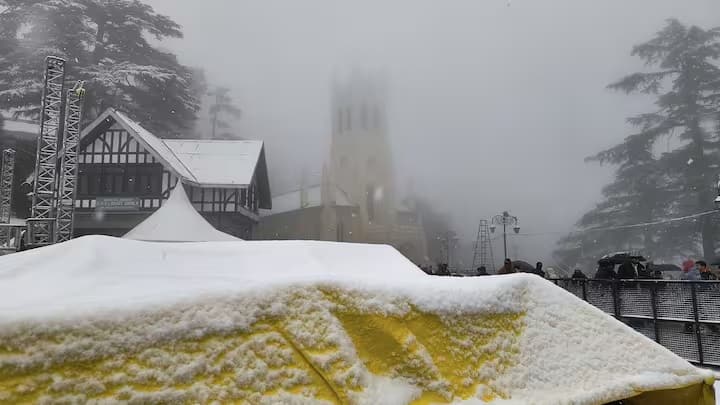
x=201, y=163
x=153, y=144
x=209, y=160
x=295, y=200
x=177, y=221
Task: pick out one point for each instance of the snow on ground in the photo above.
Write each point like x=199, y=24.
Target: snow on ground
x=102, y=318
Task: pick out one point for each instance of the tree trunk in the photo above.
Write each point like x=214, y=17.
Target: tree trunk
x=99, y=51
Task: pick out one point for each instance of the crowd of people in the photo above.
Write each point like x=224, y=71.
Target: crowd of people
x=630, y=269
x=697, y=271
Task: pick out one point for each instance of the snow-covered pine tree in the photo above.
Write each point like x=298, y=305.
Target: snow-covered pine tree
x=683, y=75
x=106, y=43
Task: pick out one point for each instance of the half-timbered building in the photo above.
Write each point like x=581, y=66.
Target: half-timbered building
x=126, y=173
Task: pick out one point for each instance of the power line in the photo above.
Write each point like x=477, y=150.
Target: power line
x=619, y=227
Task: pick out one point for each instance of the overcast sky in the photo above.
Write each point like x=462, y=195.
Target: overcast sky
x=494, y=105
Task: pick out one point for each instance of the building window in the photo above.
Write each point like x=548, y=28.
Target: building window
x=339, y=123
x=120, y=180
x=370, y=202
x=348, y=119
x=364, y=117
x=340, y=232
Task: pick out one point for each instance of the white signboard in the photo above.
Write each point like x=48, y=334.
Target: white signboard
x=117, y=203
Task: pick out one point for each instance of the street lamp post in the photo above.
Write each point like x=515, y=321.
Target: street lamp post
x=505, y=220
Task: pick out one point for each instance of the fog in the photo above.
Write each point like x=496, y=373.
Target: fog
x=494, y=105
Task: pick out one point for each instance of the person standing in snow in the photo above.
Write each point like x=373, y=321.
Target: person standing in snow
x=538, y=269
x=578, y=274
x=627, y=271
x=507, y=267
x=690, y=271
x=704, y=270
x=606, y=270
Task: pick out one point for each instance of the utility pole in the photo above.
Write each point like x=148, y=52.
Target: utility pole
x=505, y=219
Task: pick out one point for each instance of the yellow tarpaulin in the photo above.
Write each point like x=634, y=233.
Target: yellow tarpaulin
x=326, y=344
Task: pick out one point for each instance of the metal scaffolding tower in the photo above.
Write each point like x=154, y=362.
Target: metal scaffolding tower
x=7, y=175
x=67, y=182
x=483, y=255
x=6, y=183
x=44, y=196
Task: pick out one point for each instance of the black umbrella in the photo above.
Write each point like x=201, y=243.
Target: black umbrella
x=523, y=266
x=622, y=257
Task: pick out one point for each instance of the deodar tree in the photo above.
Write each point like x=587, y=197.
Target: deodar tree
x=106, y=44
x=222, y=108
x=681, y=74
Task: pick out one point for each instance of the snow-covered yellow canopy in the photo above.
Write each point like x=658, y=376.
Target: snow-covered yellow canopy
x=103, y=319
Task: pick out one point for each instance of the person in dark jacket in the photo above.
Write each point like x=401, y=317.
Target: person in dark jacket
x=606, y=270
x=482, y=271
x=627, y=271
x=507, y=267
x=578, y=274
x=538, y=269
x=705, y=273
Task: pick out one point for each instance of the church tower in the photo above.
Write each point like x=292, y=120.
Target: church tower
x=360, y=158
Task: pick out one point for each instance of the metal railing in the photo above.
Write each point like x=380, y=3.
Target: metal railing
x=683, y=316
x=10, y=235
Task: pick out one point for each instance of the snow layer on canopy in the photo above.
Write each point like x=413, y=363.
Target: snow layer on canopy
x=177, y=221
x=100, y=318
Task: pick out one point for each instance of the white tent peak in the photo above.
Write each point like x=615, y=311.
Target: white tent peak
x=177, y=221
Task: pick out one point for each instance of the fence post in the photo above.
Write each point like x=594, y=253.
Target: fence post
x=616, y=298
x=696, y=325
x=653, y=304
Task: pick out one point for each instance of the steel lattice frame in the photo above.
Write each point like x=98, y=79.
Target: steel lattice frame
x=7, y=175
x=6, y=182
x=482, y=254
x=44, y=187
x=69, y=164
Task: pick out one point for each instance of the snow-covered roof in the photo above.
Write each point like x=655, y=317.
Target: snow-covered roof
x=295, y=200
x=224, y=162
x=204, y=163
x=24, y=126
x=17, y=221
x=18, y=128
x=153, y=143
x=302, y=322
x=177, y=221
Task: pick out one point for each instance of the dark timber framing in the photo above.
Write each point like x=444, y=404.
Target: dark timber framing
x=115, y=162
